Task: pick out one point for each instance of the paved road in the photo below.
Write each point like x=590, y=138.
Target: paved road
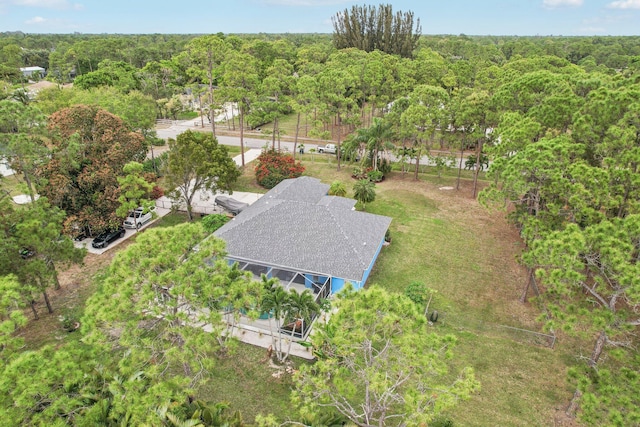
x=180, y=126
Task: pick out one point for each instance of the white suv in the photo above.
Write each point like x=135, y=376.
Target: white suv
x=138, y=218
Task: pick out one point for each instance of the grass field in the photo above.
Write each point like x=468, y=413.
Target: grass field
x=444, y=239
x=441, y=237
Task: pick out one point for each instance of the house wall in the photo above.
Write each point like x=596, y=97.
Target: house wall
x=337, y=284
x=365, y=276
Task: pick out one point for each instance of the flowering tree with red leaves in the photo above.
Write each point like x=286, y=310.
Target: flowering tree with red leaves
x=89, y=147
x=274, y=167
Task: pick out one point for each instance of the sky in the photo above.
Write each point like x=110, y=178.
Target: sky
x=470, y=17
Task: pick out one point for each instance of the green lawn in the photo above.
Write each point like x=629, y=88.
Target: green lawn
x=443, y=238
x=14, y=185
x=446, y=240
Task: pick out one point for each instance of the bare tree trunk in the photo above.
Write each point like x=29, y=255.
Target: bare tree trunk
x=201, y=112
x=415, y=172
x=278, y=130
x=242, y=134
x=295, y=138
x=573, y=405
x=273, y=135
x=531, y=281
x=46, y=300
x=477, y=170
x=27, y=179
x=210, y=76
x=597, y=349
x=460, y=164
x=233, y=120
x=56, y=280
x=33, y=309
x=213, y=120
x=338, y=141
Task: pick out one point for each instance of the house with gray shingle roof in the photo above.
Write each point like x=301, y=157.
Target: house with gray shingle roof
x=307, y=239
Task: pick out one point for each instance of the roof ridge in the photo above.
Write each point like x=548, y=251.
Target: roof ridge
x=337, y=223
x=256, y=212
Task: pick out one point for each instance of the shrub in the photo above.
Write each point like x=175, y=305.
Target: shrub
x=337, y=188
x=157, y=164
x=212, y=222
x=157, y=192
x=375, y=175
x=442, y=421
x=419, y=293
x=155, y=141
x=274, y=166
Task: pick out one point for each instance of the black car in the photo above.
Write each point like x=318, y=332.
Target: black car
x=106, y=237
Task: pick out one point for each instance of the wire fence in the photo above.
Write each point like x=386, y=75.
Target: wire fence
x=523, y=336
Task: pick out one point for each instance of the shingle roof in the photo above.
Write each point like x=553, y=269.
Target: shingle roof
x=296, y=225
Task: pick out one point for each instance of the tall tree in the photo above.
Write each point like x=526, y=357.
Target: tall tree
x=167, y=306
x=137, y=110
x=425, y=115
x=239, y=82
x=89, y=150
x=277, y=87
x=197, y=163
x=368, y=368
x=44, y=248
x=207, y=54
x=334, y=104
x=592, y=277
x=22, y=129
x=369, y=29
x=118, y=74
x=134, y=190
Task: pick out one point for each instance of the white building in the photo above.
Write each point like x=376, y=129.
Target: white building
x=29, y=72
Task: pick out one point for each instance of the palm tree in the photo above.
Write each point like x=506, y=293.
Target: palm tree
x=364, y=191
x=301, y=307
x=338, y=188
x=376, y=138
x=275, y=302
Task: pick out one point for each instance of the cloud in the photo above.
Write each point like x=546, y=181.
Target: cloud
x=551, y=4
x=35, y=20
x=48, y=4
x=592, y=30
x=624, y=4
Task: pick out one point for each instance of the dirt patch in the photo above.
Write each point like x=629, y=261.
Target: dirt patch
x=76, y=285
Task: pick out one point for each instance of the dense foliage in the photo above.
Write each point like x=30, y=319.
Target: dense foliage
x=89, y=150
x=197, y=163
x=557, y=119
x=273, y=167
x=368, y=368
x=367, y=28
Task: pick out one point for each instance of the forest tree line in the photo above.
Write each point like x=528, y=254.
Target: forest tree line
x=559, y=118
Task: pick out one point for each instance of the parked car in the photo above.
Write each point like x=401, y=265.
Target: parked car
x=105, y=238
x=329, y=148
x=137, y=218
x=27, y=253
